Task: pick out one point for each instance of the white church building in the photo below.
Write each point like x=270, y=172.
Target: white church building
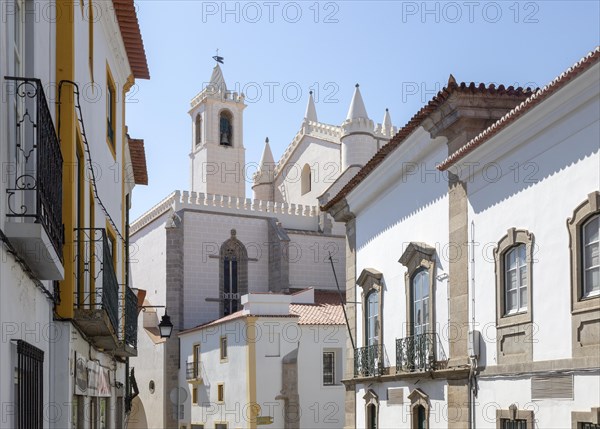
x=202, y=249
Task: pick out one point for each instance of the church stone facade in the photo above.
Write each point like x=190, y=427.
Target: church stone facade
x=199, y=251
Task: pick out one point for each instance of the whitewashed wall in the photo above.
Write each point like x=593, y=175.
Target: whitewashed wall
x=532, y=176
x=322, y=406
x=411, y=207
x=233, y=373
x=544, y=178
x=324, y=159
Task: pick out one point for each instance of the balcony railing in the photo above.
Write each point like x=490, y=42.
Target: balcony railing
x=97, y=288
x=422, y=352
x=131, y=313
x=369, y=361
x=193, y=371
x=34, y=171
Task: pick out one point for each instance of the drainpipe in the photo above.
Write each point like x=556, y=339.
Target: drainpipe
x=472, y=359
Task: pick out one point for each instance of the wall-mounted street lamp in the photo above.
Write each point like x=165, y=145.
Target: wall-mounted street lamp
x=165, y=327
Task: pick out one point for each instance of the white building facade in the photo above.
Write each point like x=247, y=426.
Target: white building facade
x=445, y=252
x=67, y=313
x=276, y=362
x=535, y=276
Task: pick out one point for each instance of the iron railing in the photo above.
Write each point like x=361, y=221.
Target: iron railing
x=418, y=353
x=192, y=370
x=97, y=287
x=36, y=174
x=131, y=312
x=369, y=361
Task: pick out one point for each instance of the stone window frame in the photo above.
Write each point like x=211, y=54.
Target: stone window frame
x=580, y=417
x=513, y=413
x=371, y=398
x=419, y=398
x=584, y=311
x=416, y=257
x=370, y=280
x=513, y=238
x=582, y=213
x=517, y=327
x=235, y=247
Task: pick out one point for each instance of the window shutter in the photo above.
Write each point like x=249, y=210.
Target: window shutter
x=552, y=387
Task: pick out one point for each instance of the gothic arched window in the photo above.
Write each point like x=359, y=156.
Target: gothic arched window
x=233, y=274
x=226, y=128
x=198, y=129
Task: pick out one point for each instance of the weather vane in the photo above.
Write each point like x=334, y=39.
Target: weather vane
x=217, y=58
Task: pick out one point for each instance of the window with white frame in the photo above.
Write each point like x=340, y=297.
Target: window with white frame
x=591, y=257
x=516, y=279
x=420, y=302
x=328, y=368
x=371, y=319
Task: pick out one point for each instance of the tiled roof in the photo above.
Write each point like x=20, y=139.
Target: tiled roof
x=559, y=82
x=325, y=311
x=229, y=317
x=416, y=121
x=132, y=38
x=138, y=161
x=318, y=314
x=322, y=296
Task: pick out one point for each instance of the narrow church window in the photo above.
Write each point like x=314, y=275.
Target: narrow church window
x=198, y=130
x=225, y=128
x=230, y=292
x=306, y=180
x=233, y=276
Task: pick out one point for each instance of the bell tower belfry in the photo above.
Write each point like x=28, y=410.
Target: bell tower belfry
x=217, y=158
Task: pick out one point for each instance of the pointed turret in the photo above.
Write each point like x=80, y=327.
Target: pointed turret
x=217, y=81
x=311, y=112
x=263, y=178
x=387, y=120
x=266, y=163
x=358, y=140
x=357, y=106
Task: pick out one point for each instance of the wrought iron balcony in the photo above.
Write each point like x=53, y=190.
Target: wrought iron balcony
x=369, y=361
x=129, y=315
x=34, y=174
x=422, y=352
x=193, y=372
x=96, y=288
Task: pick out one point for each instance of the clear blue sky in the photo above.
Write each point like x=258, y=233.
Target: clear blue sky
x=399, y=52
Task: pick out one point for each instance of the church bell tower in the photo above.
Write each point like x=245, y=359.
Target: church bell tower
x=217, y=155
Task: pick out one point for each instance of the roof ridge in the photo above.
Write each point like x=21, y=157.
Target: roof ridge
x=415, y=121
x=554, y=85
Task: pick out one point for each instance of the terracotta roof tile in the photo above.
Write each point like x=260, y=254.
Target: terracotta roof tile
x=318, y=314
x=439, y=99
x=132, y=38
x=138, y=161
x=582, y=65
